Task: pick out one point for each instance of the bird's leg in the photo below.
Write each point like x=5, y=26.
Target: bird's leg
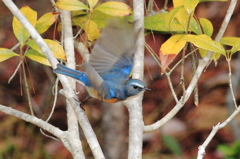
x=76, y=99
x=83, y=101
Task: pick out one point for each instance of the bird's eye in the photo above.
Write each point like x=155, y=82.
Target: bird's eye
x=135, y=87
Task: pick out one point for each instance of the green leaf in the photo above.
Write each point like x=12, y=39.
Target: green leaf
x=6, y=54
x=100, y=18
x=206, y=26
x=55, y=47
x=92, y=3
x=190, y=5
x=171, y=15
x=195, y=27
x=236, y=146
x=202, y=26
x=71, y=5
x=19, y=31
x=227, y=150
x=172, y=144
x=158, y=23
x=115, y=8
x=45, y=22
x=38, y=57
x=205, y=42
x=231, y=41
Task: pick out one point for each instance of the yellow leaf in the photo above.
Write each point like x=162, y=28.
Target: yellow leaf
x=171, y=15
x=88, y=26
x=55, y=47
x=231, y=41
x=215, y=56
x=205, y=42
x=92, y=30
x=190, y=5
x=45, y=22
x=80, y=20
x=79, y=13
x=35, y=56
x=115, y=8
x=173, y=45
x=6, y=54
x=92, y=3
x=71, y=5
x=159, y=23
x=177, y=3
x=19, y=31
x=202, y=52
x=206, y=26
x=182, y=17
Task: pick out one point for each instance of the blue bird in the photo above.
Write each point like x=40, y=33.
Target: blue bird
x=106, y=74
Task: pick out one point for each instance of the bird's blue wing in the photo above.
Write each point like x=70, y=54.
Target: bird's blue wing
x=111, y=60
x=112, y=55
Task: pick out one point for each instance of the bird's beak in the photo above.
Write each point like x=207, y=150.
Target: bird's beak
x=147, y=89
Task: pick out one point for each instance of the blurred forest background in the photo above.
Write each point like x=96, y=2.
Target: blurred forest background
x=190, y=127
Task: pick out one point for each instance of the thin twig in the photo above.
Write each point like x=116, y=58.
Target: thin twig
x=230, y=83
x=201, y=151
x=55, y=92
x=224, y=25
x=194, y=67
x=14, y=73
x=182, y=82
x=230, y=104
x=180, y=61
x=27, y=90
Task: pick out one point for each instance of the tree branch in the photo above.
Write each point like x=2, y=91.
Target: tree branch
x=224, y=25
x=34, y=120
x=135, y=105
x=68, y=91
x=202, y=64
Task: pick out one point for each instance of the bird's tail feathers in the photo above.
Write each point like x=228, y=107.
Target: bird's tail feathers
x=61, y=69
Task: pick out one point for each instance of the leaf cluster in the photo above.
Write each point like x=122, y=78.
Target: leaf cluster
x=89, y=18
x=186, y=27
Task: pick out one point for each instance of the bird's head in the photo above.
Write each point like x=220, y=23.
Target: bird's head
x=134, y=86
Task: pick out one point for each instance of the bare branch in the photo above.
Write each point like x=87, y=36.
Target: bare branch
x=73, y=129
x=34, y=120
x=202, y=64
x=135, y=105
x=68, y=91
x=224, y=25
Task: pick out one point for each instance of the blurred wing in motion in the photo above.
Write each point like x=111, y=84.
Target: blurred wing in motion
x=114, y=51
